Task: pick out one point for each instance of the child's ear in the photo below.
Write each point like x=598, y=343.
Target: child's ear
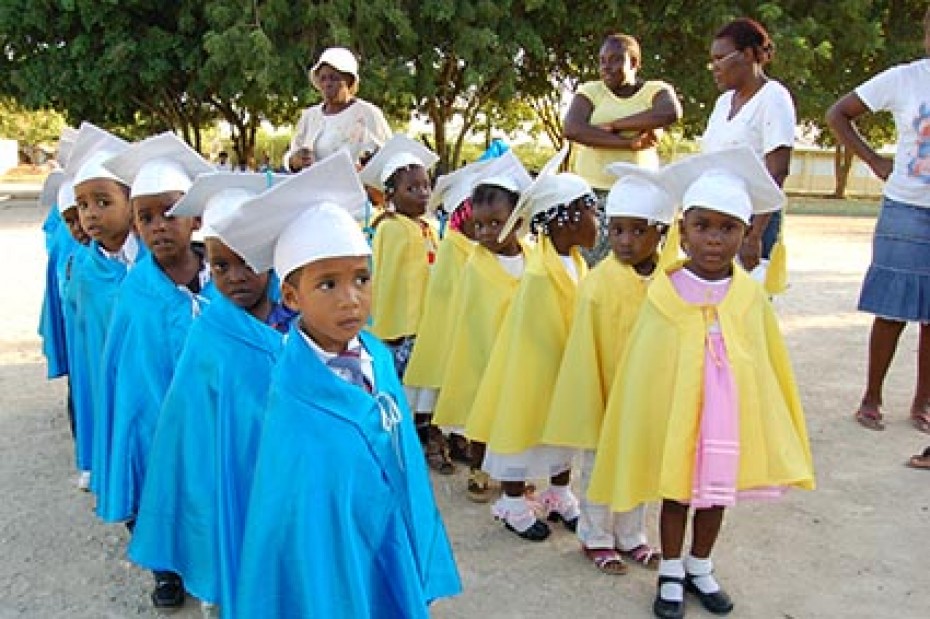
x=289, y=296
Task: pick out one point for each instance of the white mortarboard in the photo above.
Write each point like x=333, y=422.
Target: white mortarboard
x=92, y=147
x=49, y=195
x=339, y=58
x=451, y=189
x=66, y=144
x=639, y=192
x=157, y=165
x=548, y=189
x=66, y=197
x=215, y=195
x=731, y=181
x=506, y=171
x=398, y=152
x=308, y=217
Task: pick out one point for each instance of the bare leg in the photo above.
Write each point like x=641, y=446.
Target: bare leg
x=883, y=341
x=704, y=534
x=920, y=415
x=673, y=519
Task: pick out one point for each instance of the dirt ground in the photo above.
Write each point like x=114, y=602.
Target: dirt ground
x=856, y=546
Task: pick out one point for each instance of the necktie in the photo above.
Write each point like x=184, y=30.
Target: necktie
x=347, y=366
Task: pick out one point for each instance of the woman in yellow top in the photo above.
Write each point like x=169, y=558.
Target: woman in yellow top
x=618, y=117
x=510, y=406
x=403, y=250
x=639, y=211
x=704, y=410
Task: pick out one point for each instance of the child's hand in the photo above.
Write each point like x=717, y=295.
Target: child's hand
x=301, y=159
x=750, y=252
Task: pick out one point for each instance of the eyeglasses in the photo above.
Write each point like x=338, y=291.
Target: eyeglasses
x=716, y=62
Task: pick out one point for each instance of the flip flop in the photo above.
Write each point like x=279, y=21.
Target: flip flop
x=921, y=421
x=606, y=560
x=920, y=461
x=643, y=555
x=870, y=418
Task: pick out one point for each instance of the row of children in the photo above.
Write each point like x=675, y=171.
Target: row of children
x=673, y=372
x=505, y=341
x=255, y=441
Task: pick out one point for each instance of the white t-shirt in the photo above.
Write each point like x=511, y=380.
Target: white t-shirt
x=764, y=123
x=904, y=90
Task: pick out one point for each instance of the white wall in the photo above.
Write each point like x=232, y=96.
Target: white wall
x=9, y=155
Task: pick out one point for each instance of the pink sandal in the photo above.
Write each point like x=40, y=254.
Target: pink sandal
x=643, y=555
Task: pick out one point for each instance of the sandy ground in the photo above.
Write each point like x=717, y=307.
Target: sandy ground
x=855, y=547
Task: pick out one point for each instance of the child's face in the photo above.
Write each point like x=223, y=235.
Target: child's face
x=73, y=221
x=333, y=297
x=411, y=191
x=104, y=211
x=168, y=238
x=711, y=239
x=236, y=279
x=489, y=216
x=634, y=241
x=581, y=229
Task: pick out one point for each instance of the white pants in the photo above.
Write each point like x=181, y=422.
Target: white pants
x=422, y=400
x=598, y=527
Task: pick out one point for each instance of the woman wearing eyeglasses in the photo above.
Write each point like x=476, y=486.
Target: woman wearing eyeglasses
x=756, y=111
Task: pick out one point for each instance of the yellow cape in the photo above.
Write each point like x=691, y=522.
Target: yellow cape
x=401, y=270
x=513, y=398
x=484, y=297
x=608, y=303
x=428, y=359
x=648, y=438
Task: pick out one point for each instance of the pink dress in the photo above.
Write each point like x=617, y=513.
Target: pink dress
x=716, y=465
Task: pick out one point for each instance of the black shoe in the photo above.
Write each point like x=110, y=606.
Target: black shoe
x=169, y=590
x=571, y=525
x=537, y=532
x=717, y=602
x=668, y=609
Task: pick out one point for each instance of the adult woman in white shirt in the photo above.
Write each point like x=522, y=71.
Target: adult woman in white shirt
x=754, y=110
x=896, y=288
x=342, y=119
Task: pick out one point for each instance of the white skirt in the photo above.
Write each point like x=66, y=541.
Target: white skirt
x=540, y=462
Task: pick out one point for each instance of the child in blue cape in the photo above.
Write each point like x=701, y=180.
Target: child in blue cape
x=95, y=274
x=341, y=519
x=160, y=297
x=196, y=491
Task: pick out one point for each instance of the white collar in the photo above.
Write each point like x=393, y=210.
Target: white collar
x=126, y=254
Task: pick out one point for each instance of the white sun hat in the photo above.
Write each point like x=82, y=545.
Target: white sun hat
x=339, y=58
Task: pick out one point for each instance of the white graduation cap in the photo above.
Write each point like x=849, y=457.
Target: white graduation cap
x=731, y=181
x=548, y=189
x=506, y=171
x=92, y=147
x=66, y=144
x=157, y=165
x=451, y=189
x=398, y=152
x=307, y=217
x=215, y=195
x=66, y=198
x=49, y=195
x=640, y=193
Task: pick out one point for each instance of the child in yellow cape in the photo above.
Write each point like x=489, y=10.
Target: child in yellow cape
x=430, y=351
x=639, y=211
x=488, y=282
x=704, y=409
x=404, y=249
x=510, y=407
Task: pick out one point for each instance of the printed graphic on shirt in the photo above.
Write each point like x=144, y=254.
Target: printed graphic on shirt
x=919, y=164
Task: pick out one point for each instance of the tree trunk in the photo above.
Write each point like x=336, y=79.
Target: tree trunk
x=842, y=164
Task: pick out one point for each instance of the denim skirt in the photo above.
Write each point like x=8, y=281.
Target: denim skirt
x=897, y=284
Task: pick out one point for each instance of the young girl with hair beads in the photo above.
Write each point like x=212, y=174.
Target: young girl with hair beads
x=403, y=252
x=639, y=212
x=510, y=406
x=704, y=410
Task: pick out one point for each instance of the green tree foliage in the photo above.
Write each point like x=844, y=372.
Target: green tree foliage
x=28, y=127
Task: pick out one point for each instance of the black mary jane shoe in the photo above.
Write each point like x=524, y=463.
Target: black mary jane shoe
x=571, y=525
x=169, y=591
x=537, y=532
x=718, y=602
x=668, y=609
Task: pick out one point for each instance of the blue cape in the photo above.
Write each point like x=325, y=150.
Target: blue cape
x=88, y=301
x=196, y=491
x=60, y=246
x=341, y=520
x=151, y=318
